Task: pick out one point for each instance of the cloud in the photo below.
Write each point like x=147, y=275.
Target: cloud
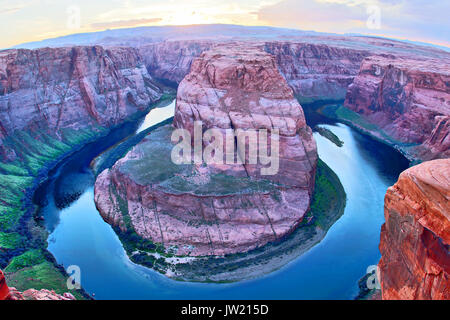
x=124, y=23
x=10, y=10
x=414, y=19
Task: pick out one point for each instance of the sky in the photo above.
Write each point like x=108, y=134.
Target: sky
x=420, y=20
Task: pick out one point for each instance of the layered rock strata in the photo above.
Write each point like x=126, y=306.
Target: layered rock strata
x=171, y=60
x=409, y=99
x=7, y=293
x=81, y=87
x=317, y=71
x=415, y=239
x=217, y=209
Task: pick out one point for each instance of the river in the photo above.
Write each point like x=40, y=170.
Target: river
x=330, y=270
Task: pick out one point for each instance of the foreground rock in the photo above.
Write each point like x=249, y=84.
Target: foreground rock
x=202, y=210
x=31, y=294
x=409, y=99
x=415, y=239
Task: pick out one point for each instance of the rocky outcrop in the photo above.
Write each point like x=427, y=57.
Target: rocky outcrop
x=53, y=101
x=415, y=239
x=81, y=87
x=203, y=210
x=409, y=99
x=30, y=294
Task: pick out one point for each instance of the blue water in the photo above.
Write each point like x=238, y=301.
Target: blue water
x=330, y=270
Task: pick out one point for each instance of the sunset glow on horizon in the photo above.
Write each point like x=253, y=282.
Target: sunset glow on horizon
x=34, y=20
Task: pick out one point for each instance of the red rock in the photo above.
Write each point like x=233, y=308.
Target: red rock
x=408, y=98
x=30, y=294
x=43, y=294
x=171, y=60
x=317, y=70
x=4, y=290
x=240, y=87
x=228, y=87
x=415, y=239
x=79, y=87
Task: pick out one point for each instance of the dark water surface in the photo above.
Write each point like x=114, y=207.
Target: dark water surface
x=330, y=270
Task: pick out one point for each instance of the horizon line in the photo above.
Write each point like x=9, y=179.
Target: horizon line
x=445, y=47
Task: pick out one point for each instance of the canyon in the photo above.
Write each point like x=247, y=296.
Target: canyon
x=415, y=239
x=7, y=293
x=54, y=100
x=399, y=91
x=217, y=209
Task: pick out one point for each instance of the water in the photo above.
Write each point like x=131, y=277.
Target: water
x=155, y=116
x=330, y=270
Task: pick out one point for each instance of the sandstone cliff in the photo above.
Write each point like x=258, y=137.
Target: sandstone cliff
x=216, y=210
x=409, y=99
x=401, y=88
x=171, y=60
x=71, y=88
x=415, y=239
x=239, y=87
x=75, y=88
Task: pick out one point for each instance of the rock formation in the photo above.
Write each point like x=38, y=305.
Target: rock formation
x=317, y=71
x=52, y=101
x=415, y=239
x=81, y=87
x=239, y=87
x=215, y=210
x=409, y=99
x=363, y=71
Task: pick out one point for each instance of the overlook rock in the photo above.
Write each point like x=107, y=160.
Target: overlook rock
x=415, y=239
x=203, y=209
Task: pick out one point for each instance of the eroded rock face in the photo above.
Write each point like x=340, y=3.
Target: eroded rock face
x=80, y=87
x=415, y=239
x=43, y=294
x=407, y=98
x=217, y=210
x=240, y=87
x=171, y=60
x=317, y=71
x=4, y=290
